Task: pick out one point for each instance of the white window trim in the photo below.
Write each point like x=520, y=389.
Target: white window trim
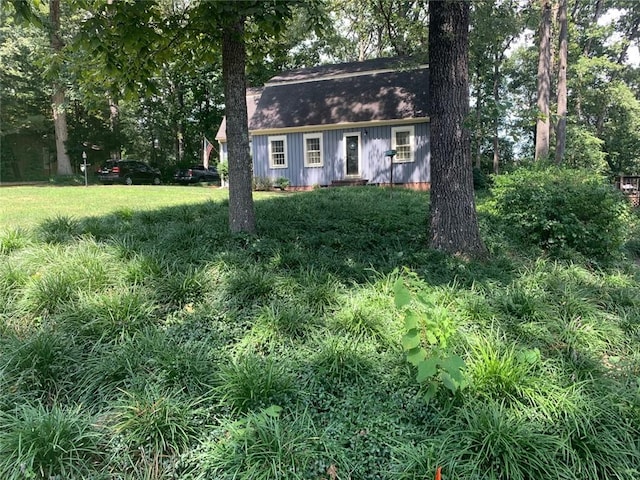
x=278, y=138
x=412, y=142
x=305, y=137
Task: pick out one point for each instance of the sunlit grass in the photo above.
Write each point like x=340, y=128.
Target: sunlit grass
x=165, y=347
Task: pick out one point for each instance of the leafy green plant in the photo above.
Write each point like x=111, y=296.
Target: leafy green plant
x=431, y=327
x=44, y=443
x=562, y=208
x=282, y=183
x=249, y=285
x=223, y=170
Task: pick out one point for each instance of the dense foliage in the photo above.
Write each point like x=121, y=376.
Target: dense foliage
x=560, y=209
x=152, y=344
x=174, y=69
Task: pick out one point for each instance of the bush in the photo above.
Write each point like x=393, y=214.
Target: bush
x=282, y=183
x=262, y=183
x=560, y=209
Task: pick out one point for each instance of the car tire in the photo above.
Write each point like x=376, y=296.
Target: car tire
x=128, y=181
x=156, y=181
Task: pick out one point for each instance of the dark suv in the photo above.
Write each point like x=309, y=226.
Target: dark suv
x=196, y=174
x=128, y=172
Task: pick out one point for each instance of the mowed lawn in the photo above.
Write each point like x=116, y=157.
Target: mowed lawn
x=140, y=340
x=26, y=206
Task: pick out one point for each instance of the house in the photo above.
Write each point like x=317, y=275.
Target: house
x=337, y=124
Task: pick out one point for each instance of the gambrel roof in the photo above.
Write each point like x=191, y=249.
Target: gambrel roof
x=377, y=90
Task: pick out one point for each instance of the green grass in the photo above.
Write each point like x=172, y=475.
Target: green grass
x=29, y=206
x=140, y=340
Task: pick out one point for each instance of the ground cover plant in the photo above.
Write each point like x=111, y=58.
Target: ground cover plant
x=151, y=344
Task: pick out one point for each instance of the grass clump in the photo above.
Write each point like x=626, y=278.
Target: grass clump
x=251, y=382
x=160, y=346
x=43, y=443
x=264, y=445
x=151, y=428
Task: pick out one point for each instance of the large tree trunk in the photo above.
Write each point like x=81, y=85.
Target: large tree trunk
x=496, y=120
x=58, y=97
x=561, y=130
x=544, y=83
x=454, y=225
x=241, y=211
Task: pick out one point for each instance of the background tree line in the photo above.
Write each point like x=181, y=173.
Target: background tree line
x=162, y=117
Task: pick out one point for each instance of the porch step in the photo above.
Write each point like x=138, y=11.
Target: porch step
x=349, y=182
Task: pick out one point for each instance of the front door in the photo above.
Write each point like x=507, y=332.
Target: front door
x=352, y=145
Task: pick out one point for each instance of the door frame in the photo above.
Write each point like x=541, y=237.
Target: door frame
x=344, y=138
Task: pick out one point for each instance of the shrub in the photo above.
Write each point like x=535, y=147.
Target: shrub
x=282, y=183
x=560, y=209
x=262, y=183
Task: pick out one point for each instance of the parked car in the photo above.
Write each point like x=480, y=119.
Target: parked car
x=128, y=172
x=196, y=174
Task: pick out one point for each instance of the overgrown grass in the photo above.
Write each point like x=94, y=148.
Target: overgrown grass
x=140, y=340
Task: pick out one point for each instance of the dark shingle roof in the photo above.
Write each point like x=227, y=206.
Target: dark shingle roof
x=253, y=95
x=373, y=90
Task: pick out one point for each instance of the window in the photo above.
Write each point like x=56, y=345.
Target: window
x=402, y=141
x=313, y=150
x=278, y=152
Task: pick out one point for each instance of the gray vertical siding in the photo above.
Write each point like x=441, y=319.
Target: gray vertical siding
x=374, y=166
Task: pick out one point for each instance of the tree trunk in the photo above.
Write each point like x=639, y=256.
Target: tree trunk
x=241, y=211
x=180, y=123
x=544, y=83
x=561, y=130
x=58, y=97
x=496, y=120
x=454, y=224
x=114, y=126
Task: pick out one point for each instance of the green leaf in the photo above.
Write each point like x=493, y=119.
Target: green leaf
x=410, y=340
x=401, y=293
x=416, y=355
x=427, y=369
x=424, y=300
x=411, y=320
x=530, y=356
x=431, y=392
x=452, y=363
x=449, y=382
x=431, y=338
x=272, y=411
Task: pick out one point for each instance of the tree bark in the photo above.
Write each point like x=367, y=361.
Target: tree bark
x=496, y=120
x=58, y=97
x=544, y=83
x=453, y=221
x=241, y=210
x=561, y=129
